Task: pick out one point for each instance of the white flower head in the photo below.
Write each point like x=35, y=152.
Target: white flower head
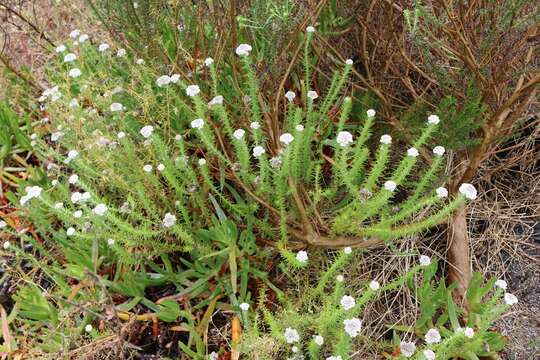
x=70, y=57
x=175, y=78
x=73, y=103
x=347, y=250
x=337, y=357
x=347, y=302
x=192, y=90
x=77, y=214
x=501, y=284
x=3, y=224
x=424, y=260
x=169, y=220
x=275, y=162
x=439, y=150
x=302, y=256
x=352, y=327
x=310, y=29
x=299, y=127
x=243, y=50
x=318, y=339
x=6, y=245
x=197, y=124
x=294, y=349
x=433, y=119
x=116, y=107
x=340, y=278
x=312, y=95
x=374, y=285
x=75, y=73
x=110, y=242
x=510, y=299
x=70, y=231
x=34, y=191
x=163, y=80
x=60, y=48
x=216, y=100
x=139, y=61
x=100, y=209
x=433, y=336
x=344, y=138
x=213, y=356
x=88, y=328
x=121, y=135
x=72, y=154
x=390, y=185
x=55, y=136
x=258, y=151
x=208, y=61
x=412, y=152
x=31, y=192
x=147, y=131
x=239, y=134
x=103, y=47
x=76, y=197
x=441, y=192
x=386, y=139
x=286, y=138
x=468, y=190
x=429, y=354
x=290, y=95
x=74, y=34
x=291, y=335
x=202, y=162
x=244, y=306
x=147, y=168
x=83, y=38
x=160, y=167
x=73, y=179
x=407, y=348
x=255, y=125
x=121, y=53
x=370, y=113
x=468, y=332
x=349, y=61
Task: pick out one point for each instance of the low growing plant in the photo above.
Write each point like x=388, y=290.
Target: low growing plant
x=324, y=322
x=140, y=160
x=142, y=167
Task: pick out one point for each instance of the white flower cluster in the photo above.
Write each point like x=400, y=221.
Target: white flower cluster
x=344, y=138
x=243, y=50
x=53, y=93
x=169, y=220
x=352, y=327
x=31, y=192
x=302, y=256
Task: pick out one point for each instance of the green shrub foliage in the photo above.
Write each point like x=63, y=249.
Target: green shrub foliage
x=150, y=158
x=141, y=166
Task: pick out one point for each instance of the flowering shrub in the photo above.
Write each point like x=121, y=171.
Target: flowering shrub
x=145, y=157
x=325, y=325
x=141, y=165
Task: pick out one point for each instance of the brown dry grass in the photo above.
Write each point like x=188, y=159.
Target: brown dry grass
x=27, y=43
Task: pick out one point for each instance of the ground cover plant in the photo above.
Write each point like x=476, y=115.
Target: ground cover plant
x=168, y=203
